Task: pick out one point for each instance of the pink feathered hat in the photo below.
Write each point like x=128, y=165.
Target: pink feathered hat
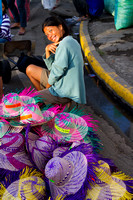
x=10, y=106
x=12, y=102
x=66, y=127
x=32, y=114
x=6, y=128
x=72, y=126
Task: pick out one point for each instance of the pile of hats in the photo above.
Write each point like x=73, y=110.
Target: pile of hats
x=48, y=152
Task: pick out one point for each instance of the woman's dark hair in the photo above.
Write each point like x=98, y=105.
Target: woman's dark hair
x=55, y=21
x=5, y=4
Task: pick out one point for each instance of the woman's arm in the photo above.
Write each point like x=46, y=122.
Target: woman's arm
x=51, y=48
x=60, y=64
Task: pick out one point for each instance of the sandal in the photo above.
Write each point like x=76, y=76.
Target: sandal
x=15, y=26
x=21, y=31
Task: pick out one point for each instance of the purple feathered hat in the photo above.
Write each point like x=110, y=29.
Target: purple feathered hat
x=40, y=149
x=12, y=152
x=109, y=185
x=28, y=184
x=66, y=174
x=71, y=173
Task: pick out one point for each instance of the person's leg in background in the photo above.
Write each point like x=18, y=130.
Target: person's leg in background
x=14, y=10
x=1, y=84
x=76, y=6
x=82, y=8
x=23, y=17
x=1, y=88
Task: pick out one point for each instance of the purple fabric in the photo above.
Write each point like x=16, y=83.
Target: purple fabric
x=5, y=32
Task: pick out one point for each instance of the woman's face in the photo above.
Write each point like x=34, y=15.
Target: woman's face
x=3, y=7
x=54, y=33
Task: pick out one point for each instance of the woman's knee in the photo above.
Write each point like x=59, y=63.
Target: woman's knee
x=34, y=71
x=29, y=70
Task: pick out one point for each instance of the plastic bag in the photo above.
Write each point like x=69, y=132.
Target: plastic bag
x=95, y=7
x=6, y=71
x=109, y=6
x=50, y=4
x=25, y=60
x=123, y=14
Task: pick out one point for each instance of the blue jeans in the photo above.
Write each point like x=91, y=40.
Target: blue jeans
x=19, y=17
x=2, y=40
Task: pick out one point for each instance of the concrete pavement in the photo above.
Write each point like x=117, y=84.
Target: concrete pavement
x=109, y=53
x=115, y=145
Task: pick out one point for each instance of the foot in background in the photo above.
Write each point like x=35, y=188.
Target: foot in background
x=15, y=25
x=21, y=31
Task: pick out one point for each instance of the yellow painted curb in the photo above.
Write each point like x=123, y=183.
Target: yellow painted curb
x=122, y=91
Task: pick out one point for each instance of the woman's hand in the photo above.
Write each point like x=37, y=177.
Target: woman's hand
x=48, y=86
x=51, y=48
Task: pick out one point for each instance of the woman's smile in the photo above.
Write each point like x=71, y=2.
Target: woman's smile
x=54, y=33
x=54, y=38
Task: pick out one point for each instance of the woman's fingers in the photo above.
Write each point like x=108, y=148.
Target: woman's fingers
x=52, y=47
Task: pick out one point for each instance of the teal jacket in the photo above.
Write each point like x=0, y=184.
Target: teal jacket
x=67, y=71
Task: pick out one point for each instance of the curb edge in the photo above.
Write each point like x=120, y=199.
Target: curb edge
x=115, y=83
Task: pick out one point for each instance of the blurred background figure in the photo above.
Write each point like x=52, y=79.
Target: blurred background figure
x=19, y=14
x=1, y=88
x=1, y=84
x=95, y=8
x=82, y=9
x=5, y=33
